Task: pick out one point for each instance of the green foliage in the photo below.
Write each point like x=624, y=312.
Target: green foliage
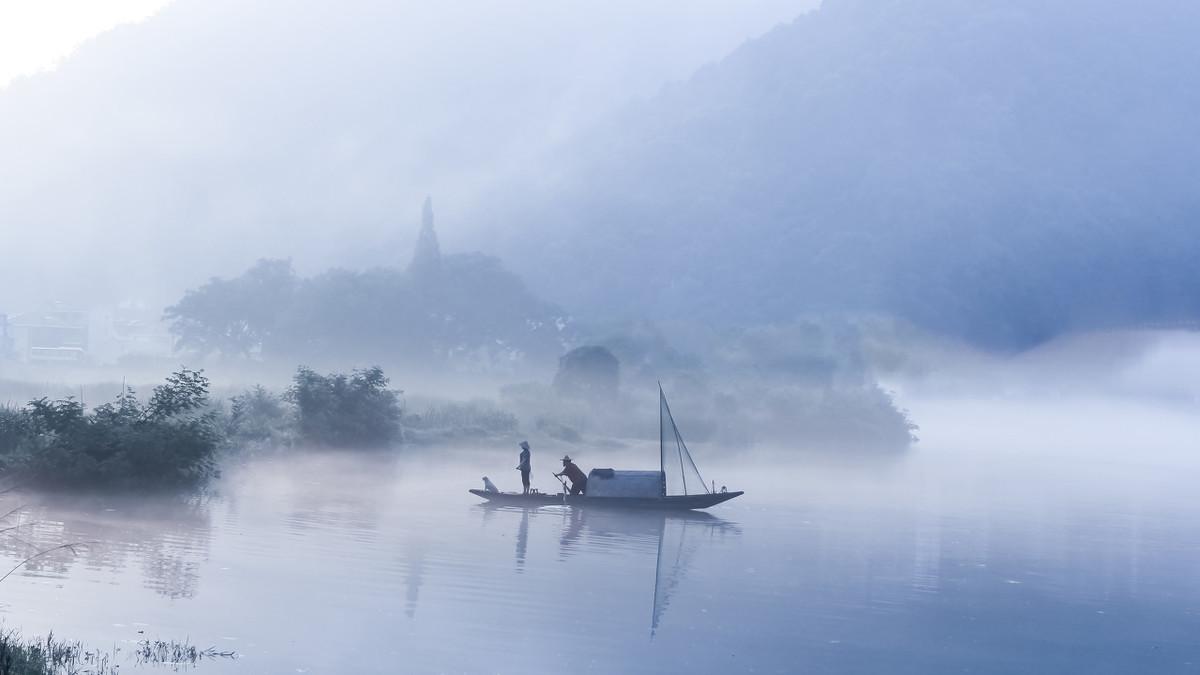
x=53, y=656
x=356, y=410
x=15, y=427
x=259, y=416
x=185, y=391
x=39, y=657
x=449, y=420
x=481, y=415
x=168, y=442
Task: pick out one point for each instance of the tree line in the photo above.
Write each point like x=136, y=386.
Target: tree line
x=173, y=438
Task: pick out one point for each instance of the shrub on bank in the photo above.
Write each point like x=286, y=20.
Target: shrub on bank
x=53, y=656
x=443, y=421
x=259, y=417
x=168, y=441
x=356, y=410
x=19, y=656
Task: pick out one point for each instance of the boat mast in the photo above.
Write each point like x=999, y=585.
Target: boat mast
x=662, y=450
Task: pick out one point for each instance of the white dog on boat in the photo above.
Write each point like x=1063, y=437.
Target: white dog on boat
x=489, y=486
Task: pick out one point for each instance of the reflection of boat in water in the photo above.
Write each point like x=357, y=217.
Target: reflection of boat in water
x=617, y=522
x=674, y=537
x=665, y=489
x=678, y=541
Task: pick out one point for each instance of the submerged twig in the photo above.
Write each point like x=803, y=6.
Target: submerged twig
x=39, y=554
x=12, y=511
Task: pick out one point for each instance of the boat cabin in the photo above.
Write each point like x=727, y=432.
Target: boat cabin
x=612, y=483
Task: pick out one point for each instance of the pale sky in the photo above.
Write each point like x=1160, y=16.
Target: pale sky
x=36, y=35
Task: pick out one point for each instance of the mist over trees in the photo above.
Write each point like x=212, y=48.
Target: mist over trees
x=590, y=372
x=218, y=132
x=994, y=172
x=999, y=171
x=463, y=309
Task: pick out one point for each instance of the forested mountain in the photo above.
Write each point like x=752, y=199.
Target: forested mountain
x=999, y=170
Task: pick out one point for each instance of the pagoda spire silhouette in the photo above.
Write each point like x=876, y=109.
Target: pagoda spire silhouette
x=427, y=256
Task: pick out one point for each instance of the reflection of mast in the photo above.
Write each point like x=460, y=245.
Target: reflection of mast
x=668, y=572
x=674, y=556
x=676, y=546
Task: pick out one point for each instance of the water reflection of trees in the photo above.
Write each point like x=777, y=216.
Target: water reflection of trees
x=166, y=536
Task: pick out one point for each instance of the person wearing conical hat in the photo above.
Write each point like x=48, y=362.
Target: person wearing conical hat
x=578, y=479
x=523, y=465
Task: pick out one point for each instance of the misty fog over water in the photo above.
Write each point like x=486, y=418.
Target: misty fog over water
x=280, y=281
x=1018, y=538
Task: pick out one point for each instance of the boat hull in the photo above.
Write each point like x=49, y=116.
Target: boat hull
x=671, y=502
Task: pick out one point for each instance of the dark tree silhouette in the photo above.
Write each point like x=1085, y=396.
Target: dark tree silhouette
x=234, y=317
x=356, y=410
x=463, y=306
x=589, y=372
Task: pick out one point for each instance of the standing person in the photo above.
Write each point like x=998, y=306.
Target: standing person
x=524, y=467
x=578, y=480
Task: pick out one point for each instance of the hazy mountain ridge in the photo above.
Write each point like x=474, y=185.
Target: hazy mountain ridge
x=991, y=170
x=987, y=170
x=216, y=132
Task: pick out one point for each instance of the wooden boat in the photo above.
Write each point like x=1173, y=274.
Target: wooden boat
x=635, y=489
x=698, y=501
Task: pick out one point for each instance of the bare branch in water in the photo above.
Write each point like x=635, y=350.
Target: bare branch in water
x=39, y=554
x=11, y=512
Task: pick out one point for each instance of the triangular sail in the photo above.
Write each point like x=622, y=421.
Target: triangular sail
x=680, y=472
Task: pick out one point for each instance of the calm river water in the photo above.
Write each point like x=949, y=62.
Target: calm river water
x=1012, y=539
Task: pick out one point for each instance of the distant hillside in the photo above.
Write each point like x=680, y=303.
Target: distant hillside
x=999, y=170
x=219, y=132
